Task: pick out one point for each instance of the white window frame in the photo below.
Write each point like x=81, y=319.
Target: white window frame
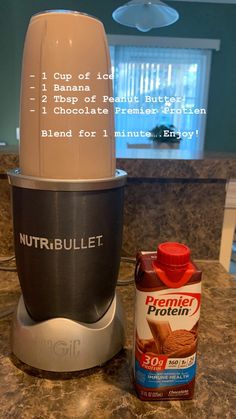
x=165, y=42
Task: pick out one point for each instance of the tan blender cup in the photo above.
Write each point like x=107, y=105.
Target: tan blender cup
x=66, y=131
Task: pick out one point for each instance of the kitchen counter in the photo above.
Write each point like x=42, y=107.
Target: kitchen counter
x=173, y=199
x=155, y=163
x=108, y=392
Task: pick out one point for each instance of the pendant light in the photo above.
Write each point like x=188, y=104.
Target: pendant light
x=145, y=14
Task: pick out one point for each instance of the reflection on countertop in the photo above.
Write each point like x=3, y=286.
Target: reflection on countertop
x=149, y=151
x=108, y=392
x=155, y=163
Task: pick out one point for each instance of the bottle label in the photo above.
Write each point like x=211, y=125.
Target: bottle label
x=166, y=340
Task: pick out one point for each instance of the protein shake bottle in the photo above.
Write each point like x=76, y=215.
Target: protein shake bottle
x=168, y=295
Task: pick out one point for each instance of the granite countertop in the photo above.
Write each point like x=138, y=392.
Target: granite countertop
x=154, y=163
x=108, y=392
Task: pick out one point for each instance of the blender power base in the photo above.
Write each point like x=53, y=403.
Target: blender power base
x=63, y=345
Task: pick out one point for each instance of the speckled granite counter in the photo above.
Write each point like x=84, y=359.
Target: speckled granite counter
x=154, y=163
x=166, y=199
x=108, y=392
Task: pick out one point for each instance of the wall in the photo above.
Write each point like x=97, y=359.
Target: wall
x=201, y=20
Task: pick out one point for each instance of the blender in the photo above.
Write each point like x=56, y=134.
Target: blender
x=67, y=198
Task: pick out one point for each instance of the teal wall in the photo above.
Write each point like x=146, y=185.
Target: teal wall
x=198, y=20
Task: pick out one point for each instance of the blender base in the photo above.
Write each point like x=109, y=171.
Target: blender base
x=63, y=345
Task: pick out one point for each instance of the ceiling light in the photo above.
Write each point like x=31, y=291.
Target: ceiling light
x=145, y=14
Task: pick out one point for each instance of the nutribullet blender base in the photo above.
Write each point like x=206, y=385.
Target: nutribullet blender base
x=67, y=237
x=63, y=345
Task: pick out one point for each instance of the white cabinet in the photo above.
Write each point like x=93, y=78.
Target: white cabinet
x=229, y=224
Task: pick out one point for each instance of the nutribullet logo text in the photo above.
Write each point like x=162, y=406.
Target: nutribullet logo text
x=76, y=243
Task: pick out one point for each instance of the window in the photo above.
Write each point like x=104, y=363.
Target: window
x=156, y=85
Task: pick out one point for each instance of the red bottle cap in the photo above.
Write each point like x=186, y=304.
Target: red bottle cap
x=173, y=255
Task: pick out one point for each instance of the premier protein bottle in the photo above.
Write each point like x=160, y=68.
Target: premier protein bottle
x=167, y=310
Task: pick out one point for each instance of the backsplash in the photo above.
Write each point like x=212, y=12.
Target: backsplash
x=6, y=236
x=164, y=202
x=190, y=212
